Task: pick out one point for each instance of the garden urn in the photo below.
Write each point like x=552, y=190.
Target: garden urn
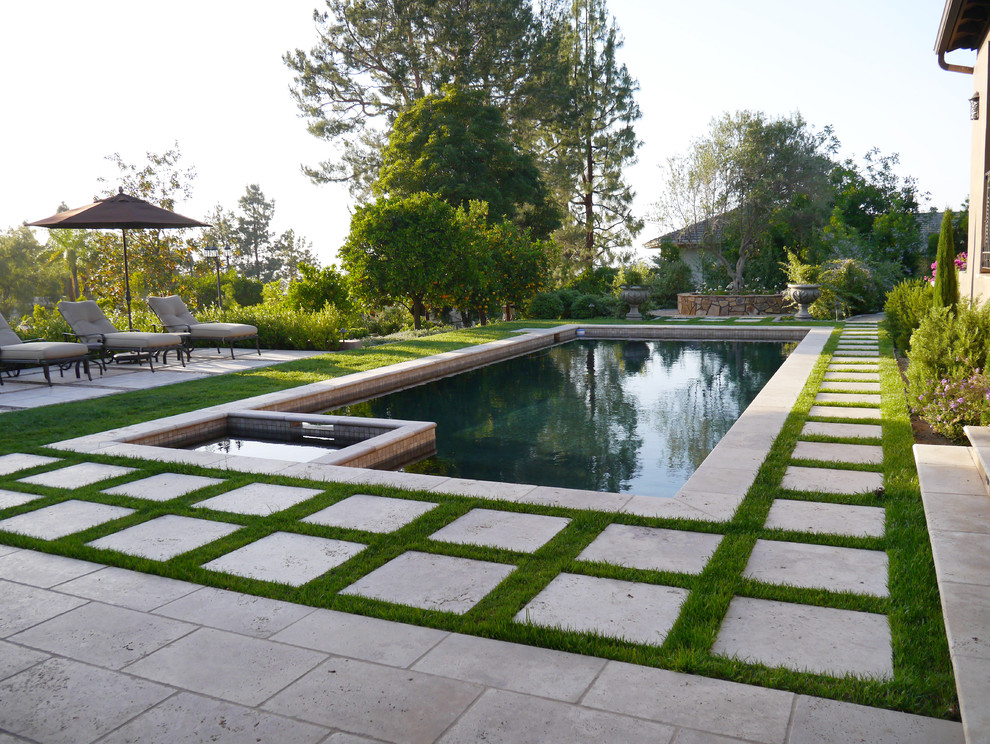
x=804, y=295
x=634, y=296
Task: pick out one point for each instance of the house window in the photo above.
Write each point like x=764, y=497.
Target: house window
x=985, y=247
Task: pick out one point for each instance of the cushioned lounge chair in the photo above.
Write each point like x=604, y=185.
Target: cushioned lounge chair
x=15, y=354
x=91, y=326
x=176, y=318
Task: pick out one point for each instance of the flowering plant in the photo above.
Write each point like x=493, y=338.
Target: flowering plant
x=955, y=401
x=960, y=265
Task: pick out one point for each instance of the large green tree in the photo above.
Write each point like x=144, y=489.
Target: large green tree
x=459, y=146
x=253, y=228
x=23, y=273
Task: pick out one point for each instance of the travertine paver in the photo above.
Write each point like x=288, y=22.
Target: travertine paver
x=195, y=719
x=259, y=499
x=227, y=665
x=829, y=480
x=853, y=376
x=129, y=589
x=849, y=357
x=819, y=567
x=862, y=454
x=43, y=569
x=24, y=606
x=848, y=431
x=860, y=398
x=642, y=613
x=652, y=548
x=77, y=476
x=14, y=659
x=851, y=387
x=103, y=635
x=387, y=704
x=825, y=518
x=65, y=518
x=499, y=529
x=844, y=412
x=286, y=558
x=821, y=640
x=61, y=701
x=821, y=721
x=850, y=368
x=15, y=498
x=21, y=461
x=163, y=487
x=432, y=582
x=165, y=537
x=241, y=613
x=378, y=514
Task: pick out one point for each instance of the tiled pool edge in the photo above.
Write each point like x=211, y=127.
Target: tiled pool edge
x=713, y=493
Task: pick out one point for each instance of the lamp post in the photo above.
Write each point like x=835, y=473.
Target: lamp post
x=213, y=252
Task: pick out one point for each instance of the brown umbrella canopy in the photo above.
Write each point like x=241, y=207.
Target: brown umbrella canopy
x=119, y=212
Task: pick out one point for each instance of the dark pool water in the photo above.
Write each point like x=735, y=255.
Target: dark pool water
x=618, y=416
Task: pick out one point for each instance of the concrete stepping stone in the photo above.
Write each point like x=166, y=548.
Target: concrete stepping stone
x=652, y=548
x=59, y=520
x=860, y=454
x=259, y=499
x=851, y=357
x=849, y=431
x=631, y=611
x=432, y=582
x=844, y=412
x=857, y=345
x=19, y=461
x=829, y=480
x=526, y=533
x=371, y=513
x=823, y=518
x=850, y=387
x=163, y=487
x=820, y=640
x=286, y=558
x=853, y=375
x=871, y=399
x=819, y=567
x=77, y=476
x=165, y=537
x=15, y=498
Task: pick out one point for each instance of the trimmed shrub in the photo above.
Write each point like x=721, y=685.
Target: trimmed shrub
x=946, y=282
x=282, y=327
x=949, y=344
x=567, y=298
x=546, y=305
x=669, y=278
x=588, y=306
x=906, y=305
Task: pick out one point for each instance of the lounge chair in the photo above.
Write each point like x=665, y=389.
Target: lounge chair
x=15, y=353
x=92, y=327
x=176, y=318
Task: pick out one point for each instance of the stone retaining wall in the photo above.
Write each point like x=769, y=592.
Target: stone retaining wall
x=690, y=303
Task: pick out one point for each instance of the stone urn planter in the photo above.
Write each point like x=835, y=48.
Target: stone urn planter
x=804, y=295
x=634, y=296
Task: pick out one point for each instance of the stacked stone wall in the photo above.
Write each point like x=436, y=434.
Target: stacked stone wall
x=690, y=303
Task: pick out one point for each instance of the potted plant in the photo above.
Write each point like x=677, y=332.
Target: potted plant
x=802, y=286
x=633, y=290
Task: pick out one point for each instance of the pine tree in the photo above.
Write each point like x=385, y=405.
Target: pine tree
x=946, y=282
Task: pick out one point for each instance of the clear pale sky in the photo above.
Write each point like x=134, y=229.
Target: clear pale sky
x=82, y=80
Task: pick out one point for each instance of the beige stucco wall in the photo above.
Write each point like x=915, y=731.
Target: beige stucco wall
x=973, y=282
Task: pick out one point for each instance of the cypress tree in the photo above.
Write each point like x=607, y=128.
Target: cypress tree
x=946, y=283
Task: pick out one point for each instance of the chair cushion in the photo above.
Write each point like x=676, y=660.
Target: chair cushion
x=42, y=350
x=222, y=331
x=86, y=318
x=140, y=340
x=7, y=335
x=172, y=312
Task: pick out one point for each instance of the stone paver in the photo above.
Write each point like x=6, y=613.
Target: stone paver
x=241, y=613
x=25, y=606
x=103, y=635
x=432, y=582
x=165, y=537
x=871, y=399
x=851, y=387
x=14, y=659
x=77, y=476
x=821, y=640
x=15, y=498
x=633, y=611
x=129, y=589
x=820, y=721
x=21, y=461
x=194, y=719
x=652, y=548
x=844, y=412
x=829, y=480
x=525, y=533
x=848, y=431
x=163, y=487
x=286, y=558
x=854, y=376
x=65, y=518
x=861, y=454
x=65, y=702
x=825, y=518
x=371, y=513
x=43, y=569
x=819, y=567
x=259, y=499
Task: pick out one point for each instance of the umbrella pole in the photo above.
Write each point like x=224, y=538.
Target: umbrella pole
x=127, y=283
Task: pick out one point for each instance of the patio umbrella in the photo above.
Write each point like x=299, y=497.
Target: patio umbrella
x=121, y=212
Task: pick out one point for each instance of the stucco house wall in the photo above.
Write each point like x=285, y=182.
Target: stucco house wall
x=975, y=281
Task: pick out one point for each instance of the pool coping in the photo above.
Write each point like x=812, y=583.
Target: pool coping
x=713, y=493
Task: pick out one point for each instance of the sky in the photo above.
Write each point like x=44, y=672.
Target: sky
x=81, y=81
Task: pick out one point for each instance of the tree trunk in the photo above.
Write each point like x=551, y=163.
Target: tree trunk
x=589, y=204
x=417, y=309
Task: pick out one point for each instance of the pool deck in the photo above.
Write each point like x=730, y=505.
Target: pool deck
x=175, y=661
